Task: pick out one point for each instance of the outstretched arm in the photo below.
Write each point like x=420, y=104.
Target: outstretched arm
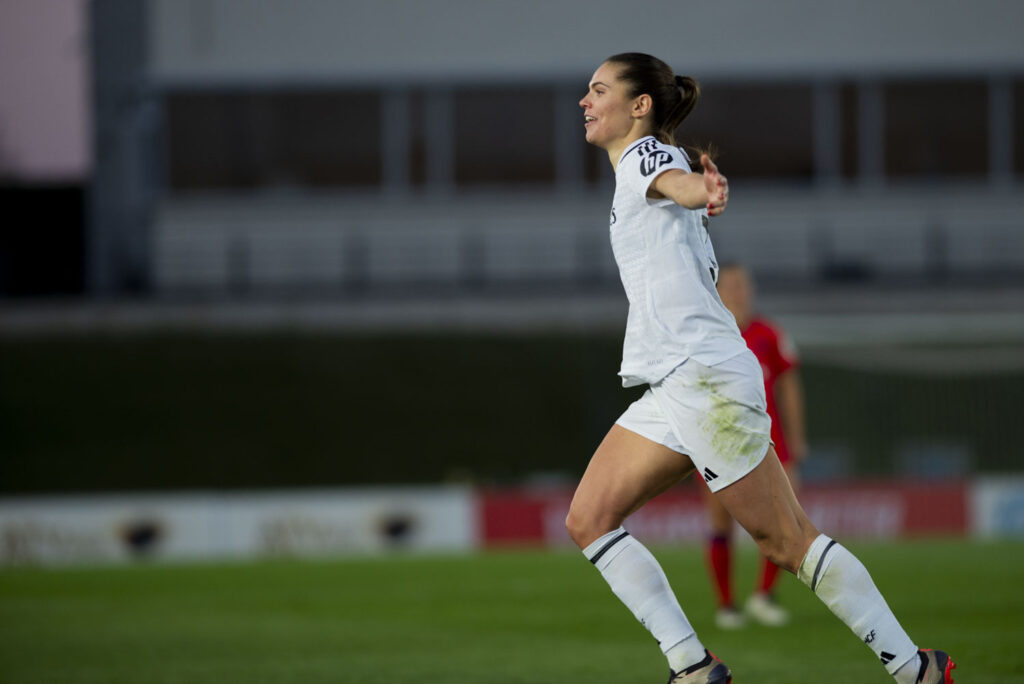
x=694, y=190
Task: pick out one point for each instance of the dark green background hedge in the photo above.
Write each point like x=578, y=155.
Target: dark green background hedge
x=176, y=410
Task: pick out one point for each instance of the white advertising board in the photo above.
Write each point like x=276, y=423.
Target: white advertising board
x=201, y=525
x=997, y=507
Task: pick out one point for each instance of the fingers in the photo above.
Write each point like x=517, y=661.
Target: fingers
x=717, y=185
x=709, y=166
x=711, y=171
x=719, y=197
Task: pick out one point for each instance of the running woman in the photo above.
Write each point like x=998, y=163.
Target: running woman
x=704, y=408
x=784, y=395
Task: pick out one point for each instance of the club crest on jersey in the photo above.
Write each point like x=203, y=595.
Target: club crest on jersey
x=649, y=163
x=646, y=147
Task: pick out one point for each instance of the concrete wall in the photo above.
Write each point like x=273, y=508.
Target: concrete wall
x=250, y=40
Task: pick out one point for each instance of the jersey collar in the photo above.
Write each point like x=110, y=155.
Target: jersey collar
x=633, y=146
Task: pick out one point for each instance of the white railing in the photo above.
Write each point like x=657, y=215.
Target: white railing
x=267, y=244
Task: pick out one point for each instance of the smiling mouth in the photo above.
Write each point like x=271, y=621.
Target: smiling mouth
x=589, y=119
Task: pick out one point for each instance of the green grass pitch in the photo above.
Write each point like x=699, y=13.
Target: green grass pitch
x=525, y=617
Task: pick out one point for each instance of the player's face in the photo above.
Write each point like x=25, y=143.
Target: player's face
x=606, y=107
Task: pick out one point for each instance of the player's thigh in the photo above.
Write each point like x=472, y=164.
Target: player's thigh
x=626, y=471
x=793, y=473
x=764, y=504
x=718, y=517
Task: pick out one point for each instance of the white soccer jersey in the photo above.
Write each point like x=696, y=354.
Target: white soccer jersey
x=669, y=271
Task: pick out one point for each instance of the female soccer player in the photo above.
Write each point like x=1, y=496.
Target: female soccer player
x=704, y=408
x=784, y=393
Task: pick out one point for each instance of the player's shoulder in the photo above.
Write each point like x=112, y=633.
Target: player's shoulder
x=765, y=327
x=648, y=157
x=770, y=332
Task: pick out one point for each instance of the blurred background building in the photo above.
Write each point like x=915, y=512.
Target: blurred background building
x=238, y=147
x=417, y=168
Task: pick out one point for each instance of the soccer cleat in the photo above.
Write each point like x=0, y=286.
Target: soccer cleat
x=936, y=667
x=764, y=610
x=711, y=670
x=730, y=618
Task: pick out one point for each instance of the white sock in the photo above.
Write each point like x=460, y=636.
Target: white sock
x=844, y=585
x=638, y=580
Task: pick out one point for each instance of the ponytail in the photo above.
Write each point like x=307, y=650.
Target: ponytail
x=673, y=97
x=689, y=93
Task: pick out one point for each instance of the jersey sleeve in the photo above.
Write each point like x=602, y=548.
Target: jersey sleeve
x=648, y=161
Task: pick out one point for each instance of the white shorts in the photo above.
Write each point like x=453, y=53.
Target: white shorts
x=715, y=415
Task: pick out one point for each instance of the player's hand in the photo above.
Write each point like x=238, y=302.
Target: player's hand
x=716, y=185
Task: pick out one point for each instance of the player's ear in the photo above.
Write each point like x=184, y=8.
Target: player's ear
x=641, y=106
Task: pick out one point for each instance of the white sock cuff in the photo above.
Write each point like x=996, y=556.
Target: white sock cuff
x=606, y=547
x=816, y=561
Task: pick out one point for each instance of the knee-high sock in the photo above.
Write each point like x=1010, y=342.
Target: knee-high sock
x=767, y=576
x=844, y=585
x=720, y=560
x=638, y=580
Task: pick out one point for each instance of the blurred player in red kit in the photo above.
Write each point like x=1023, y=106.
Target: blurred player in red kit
x=784, y=393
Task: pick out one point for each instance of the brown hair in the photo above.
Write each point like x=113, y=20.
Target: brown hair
x=672, y=97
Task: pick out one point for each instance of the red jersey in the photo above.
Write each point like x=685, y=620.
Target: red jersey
x=777, y=355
